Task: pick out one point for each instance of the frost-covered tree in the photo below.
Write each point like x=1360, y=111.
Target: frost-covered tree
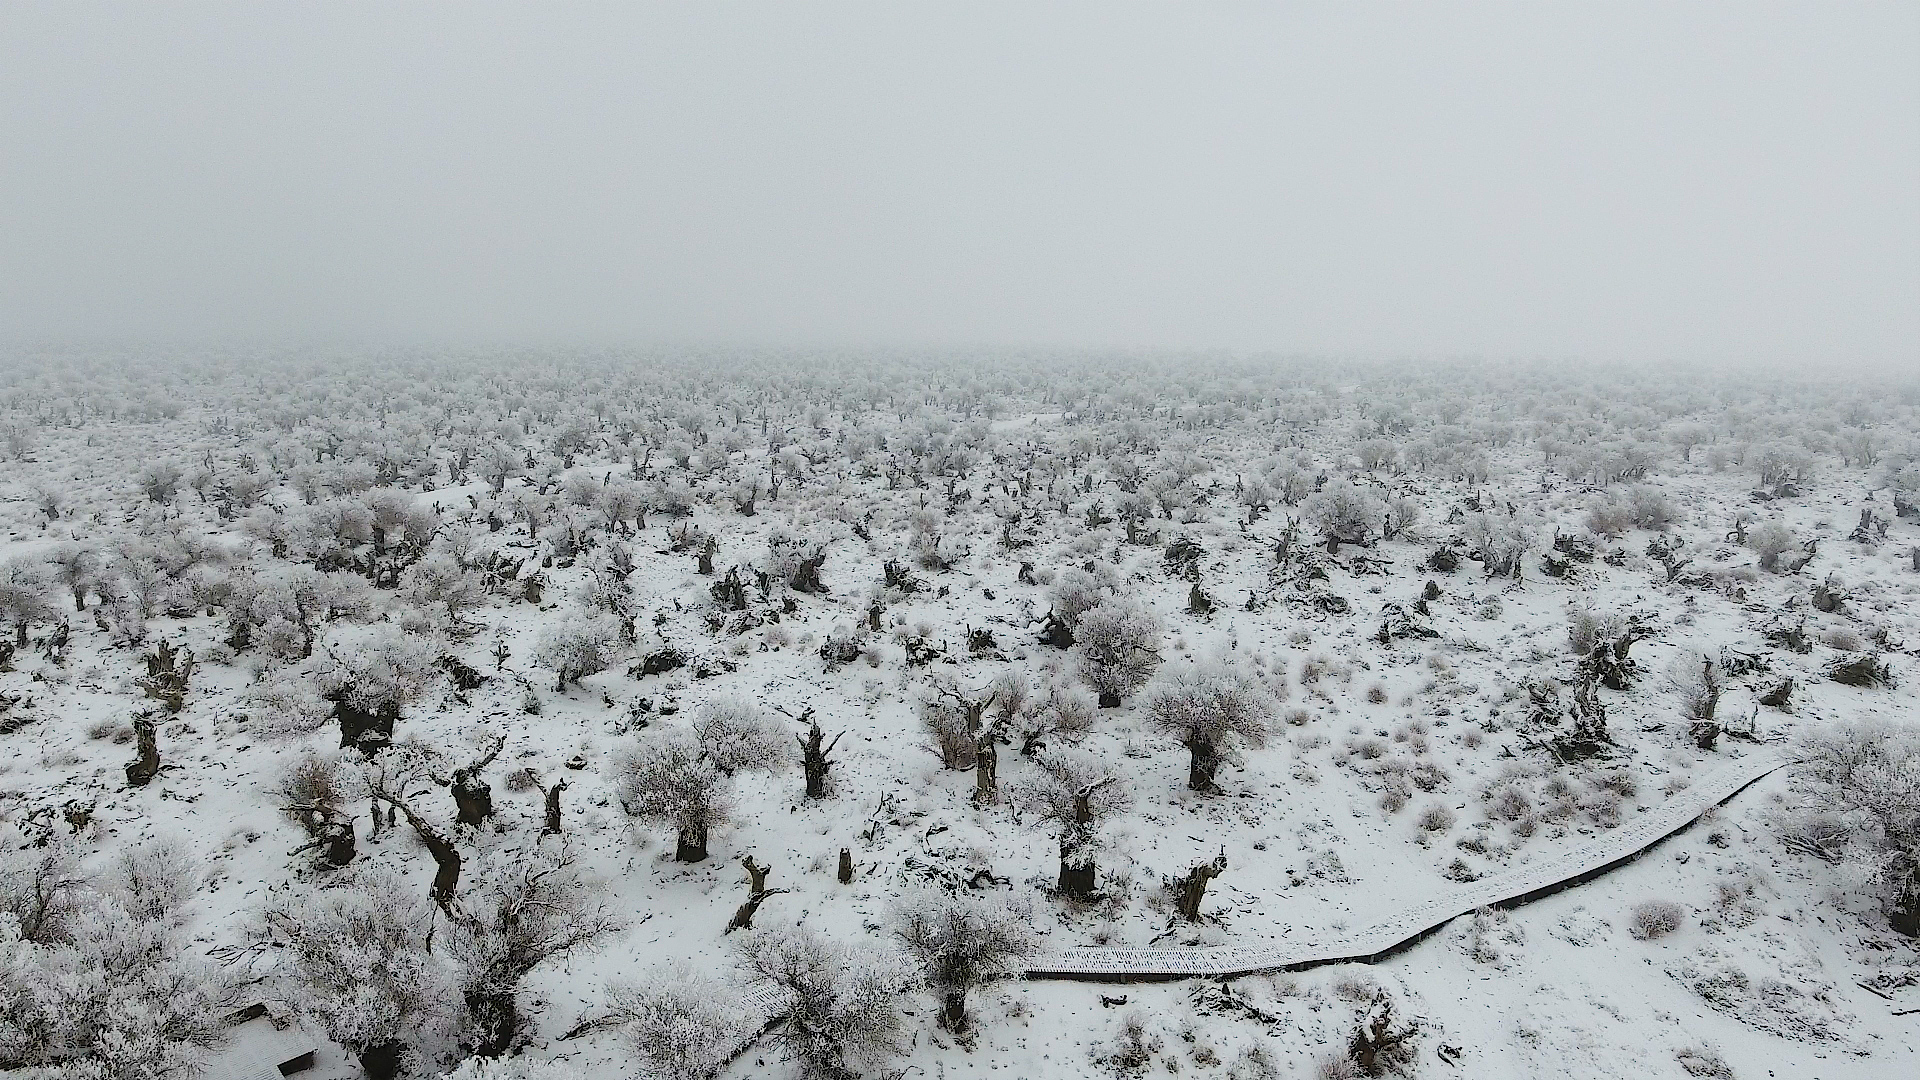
x=370, y=679
x=680, y=1022
x=439, y=584
x=107, y=990
x=1770, y=540
x=23, y=597
x=1073, y=792
x=1499, y=541
x=1864, y=779
x=72, y=566
x=962, y=942
x=1119, y=647
x=1076, y=592
x=843, y=1005
x=525, y=908
x=735, y=734
x=351, y=955
x=1213, y=710
x=672, y=781
x=1345, y=513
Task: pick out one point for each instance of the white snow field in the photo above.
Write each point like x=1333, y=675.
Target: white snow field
x=1408, y=646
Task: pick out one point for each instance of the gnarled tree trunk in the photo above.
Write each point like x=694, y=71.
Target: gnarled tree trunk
x=1204, y=763
x=692, y=844
x=1193, y=887
x=142, y=770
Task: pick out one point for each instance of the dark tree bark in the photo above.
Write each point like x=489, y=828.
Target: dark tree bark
x=953, y=1010
x=1193, y=887
x=1076, y=878
x=815, y=759
x=142, y=770
x=331, y=832
x=497, y=1016
x=553, y=809
x=168, y=672
x=1203, y=764
x=691, y=846
x=757, y=893
x=381, y=1061
x=1904, y=916
x=446, y=857
x=366, y=731
x=472, y=796
x=1078, y=868
x=1781, y=696
x=986, y=763
x=730, y=591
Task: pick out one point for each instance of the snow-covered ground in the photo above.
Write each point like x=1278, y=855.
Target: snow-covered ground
x=1394, y=769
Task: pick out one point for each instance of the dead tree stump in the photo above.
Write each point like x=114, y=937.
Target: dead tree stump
x=814, y=757
x=142, y=770
x=1192, y=888
x=552, y=826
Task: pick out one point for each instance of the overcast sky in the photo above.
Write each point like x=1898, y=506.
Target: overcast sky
x=1717, y=181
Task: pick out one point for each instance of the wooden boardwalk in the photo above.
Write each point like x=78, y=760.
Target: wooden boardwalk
x=1407, y=926
x=1580, y=863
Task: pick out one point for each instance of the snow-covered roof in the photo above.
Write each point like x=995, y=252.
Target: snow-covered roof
x=256, y=1050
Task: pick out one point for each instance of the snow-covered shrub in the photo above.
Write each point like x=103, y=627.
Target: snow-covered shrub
x=1650, y=507
x=735, y=734
x=1076, y=592
x=1652, y=919
x=1436, y=819
x=283, y=704
x=1780, y=463
x=1605, y=517
x=1698, y=679
x=578, y=645
x=1769, y=540
x=153, y=881
x=1133, y=1047
x=25, y=596
x=680, y=1022
x=950, y=731
x=1498, y=541
x=41, y=886
x=1345, y=513
x=1700, y=1061
x=843, y=1005
x=1062, y=711
x=440, y=585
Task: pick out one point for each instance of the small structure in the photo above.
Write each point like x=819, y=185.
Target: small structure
x=259, y=1048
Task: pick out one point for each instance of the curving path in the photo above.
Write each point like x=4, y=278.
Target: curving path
x=1367, y=944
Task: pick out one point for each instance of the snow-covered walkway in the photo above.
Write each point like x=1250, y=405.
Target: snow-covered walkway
x=1575, y=865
